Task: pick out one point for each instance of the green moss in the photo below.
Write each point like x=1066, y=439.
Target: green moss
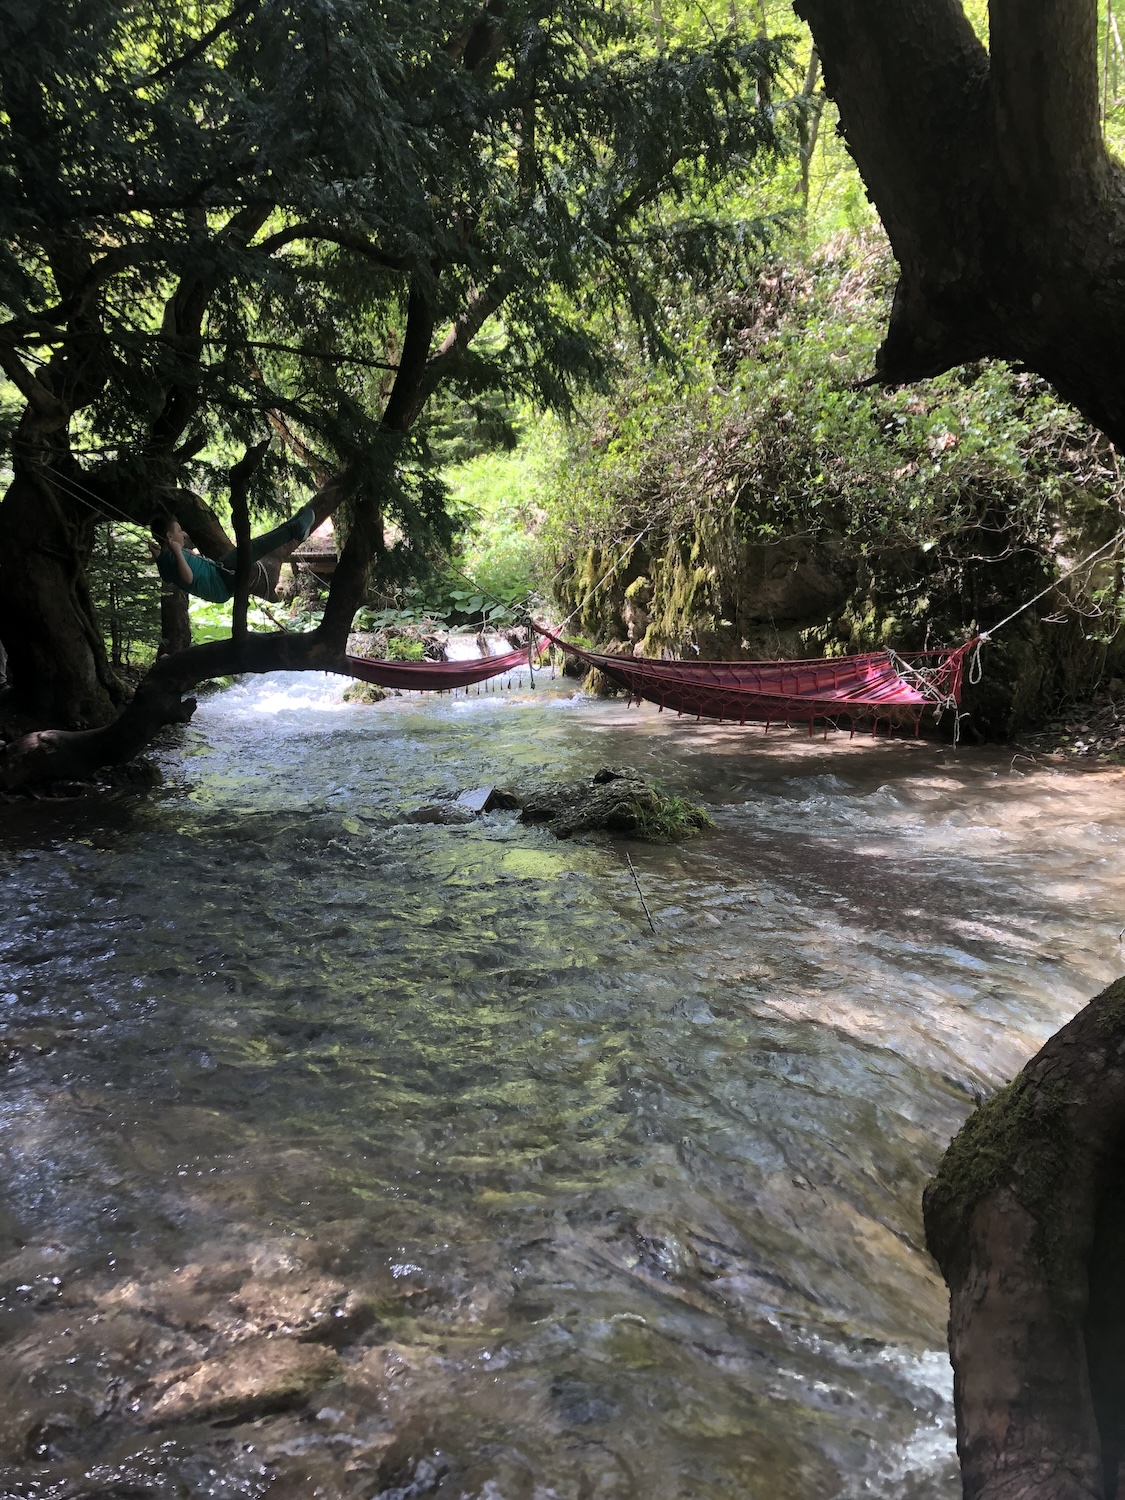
x=364, y=692
x=1111, y=1008
x=664, y=819
x=1019, y=1137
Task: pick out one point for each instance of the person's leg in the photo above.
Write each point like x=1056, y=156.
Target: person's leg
x=263, y=580
x=296, y=529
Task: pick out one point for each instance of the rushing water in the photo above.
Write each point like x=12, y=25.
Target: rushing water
x=637, y=1215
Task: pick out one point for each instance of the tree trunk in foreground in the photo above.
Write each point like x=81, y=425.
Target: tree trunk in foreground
x=1006, y=215
x=59, y=669
x=1026, y=1218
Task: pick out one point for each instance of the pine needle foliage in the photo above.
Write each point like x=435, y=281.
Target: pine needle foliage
x=299, y=215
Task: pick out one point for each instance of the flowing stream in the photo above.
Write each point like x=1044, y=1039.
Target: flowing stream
x=601, y=1213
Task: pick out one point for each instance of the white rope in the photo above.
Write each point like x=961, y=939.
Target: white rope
x=606, y=576
x=976, y=666
x=986, y=635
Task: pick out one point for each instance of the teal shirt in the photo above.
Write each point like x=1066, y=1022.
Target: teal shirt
x=208, y=580
x=215, y=581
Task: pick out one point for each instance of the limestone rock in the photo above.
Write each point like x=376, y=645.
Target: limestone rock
x=482, y=799
x=615, y=799
x=316, y=1309
x=260, y=1376
x=436, y=812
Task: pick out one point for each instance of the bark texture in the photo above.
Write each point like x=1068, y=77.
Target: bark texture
x=1026, y=1218
x=60, y=667
x=1006, y=215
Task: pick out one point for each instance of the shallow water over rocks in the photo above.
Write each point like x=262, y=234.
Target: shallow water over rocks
x=417, y=1138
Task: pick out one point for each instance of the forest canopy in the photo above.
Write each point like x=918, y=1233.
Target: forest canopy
x=301, y=221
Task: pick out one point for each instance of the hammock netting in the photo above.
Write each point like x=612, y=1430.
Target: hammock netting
x=434, y=676
x=881, y=687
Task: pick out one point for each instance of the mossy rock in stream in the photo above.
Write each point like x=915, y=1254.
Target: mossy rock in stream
x=614, y=799
x=364, y=692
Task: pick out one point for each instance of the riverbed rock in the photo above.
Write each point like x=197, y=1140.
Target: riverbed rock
x=251, y=1380
x=438, y=812
x=481, y=799
x=616, y=799
x=315, y=1309
x=364, y=692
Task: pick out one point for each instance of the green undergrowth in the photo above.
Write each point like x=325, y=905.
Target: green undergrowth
x=764, y=500
x=667, y=819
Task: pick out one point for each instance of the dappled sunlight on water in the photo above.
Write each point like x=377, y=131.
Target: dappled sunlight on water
x=635, y=1214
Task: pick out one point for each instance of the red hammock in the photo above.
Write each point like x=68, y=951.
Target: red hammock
x=434, y=676
x=880, y=686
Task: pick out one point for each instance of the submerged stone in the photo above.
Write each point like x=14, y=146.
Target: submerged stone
x=260, y=1376
x=482, y=799
x=313, y=1309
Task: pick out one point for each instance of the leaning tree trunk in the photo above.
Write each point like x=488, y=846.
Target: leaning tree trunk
x=1005, y=213
x=1026, y=1218
x=57, y=664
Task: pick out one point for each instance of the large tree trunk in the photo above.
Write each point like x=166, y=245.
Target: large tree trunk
x=57, y=664
x=1005, y=213
x=1026, y=1218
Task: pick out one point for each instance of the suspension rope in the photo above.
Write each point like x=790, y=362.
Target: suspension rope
x=986, y=635
x=601, y=583
x=76, y=491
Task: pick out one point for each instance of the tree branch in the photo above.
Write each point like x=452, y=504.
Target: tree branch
x=240, y=477
x=480, y=307
x=330, y=356
x=408, y=393
x=226, y=24
x=38, y=397
x=183, y=321
x=55, y=754
x=316, y=229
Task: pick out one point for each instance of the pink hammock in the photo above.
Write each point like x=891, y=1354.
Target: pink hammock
x=879, y=686
x=434, y=676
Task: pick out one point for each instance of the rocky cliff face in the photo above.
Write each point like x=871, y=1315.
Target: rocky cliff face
x=708, y=592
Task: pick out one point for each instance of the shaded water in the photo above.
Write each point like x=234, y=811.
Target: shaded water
x=636, y=1215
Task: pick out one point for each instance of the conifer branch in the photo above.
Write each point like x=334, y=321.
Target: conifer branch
x=32, y=390
x=314, y=229
x=239, y=13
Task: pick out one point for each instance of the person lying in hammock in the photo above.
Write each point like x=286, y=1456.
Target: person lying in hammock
x=214, y=581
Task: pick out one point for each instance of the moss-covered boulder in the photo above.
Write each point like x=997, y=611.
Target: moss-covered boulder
x=616, y=800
